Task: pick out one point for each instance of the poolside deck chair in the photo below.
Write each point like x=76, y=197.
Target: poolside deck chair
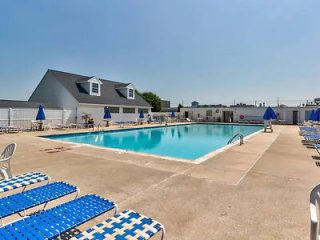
x=14, y=129
x=312, y=137
x=317, y=147
x=125, y=225
x=53, y=222
x=309, y=130
x=22, y=181
x=20, y=202
x=5, y=159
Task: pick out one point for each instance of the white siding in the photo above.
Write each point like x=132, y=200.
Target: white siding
x=51, y=90
x=248, y=113
x=97, y=112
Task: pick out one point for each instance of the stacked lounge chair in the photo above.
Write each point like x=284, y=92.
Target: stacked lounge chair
x=308, y=130
x=312, y=137
x=52, y=223
x=317, y=147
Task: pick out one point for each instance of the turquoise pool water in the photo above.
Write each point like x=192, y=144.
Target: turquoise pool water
x=185, y=141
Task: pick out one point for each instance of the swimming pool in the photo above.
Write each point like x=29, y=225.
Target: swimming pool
x=189, y=142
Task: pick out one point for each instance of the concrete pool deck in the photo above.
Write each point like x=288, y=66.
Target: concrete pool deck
x=257, y=190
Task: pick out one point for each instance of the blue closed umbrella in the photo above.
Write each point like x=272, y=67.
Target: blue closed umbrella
x=141, y=115
x=40, y=115
x=312, y=115
x=173, y=115
x=317, y=115
x=269, y=114
x=107, y=113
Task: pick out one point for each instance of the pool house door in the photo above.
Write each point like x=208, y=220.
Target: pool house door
x=295, y=117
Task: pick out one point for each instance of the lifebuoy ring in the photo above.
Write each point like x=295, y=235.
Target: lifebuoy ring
x=241, y=117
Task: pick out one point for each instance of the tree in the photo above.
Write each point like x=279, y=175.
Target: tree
x=153, y=99
x=179, y=107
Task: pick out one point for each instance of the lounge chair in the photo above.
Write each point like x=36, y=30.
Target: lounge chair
x=317, y=147
x=14, y=129
x=312, y=137
x=55, y=221
x=5, y=158
x=308, y=130
x=22, y=181
x=20, y=202
x=61, y=126
x=120, y=124
x=125, y=225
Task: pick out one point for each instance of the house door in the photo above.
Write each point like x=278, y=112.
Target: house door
x=186, y=114
x=295, y=117
x=227, y=116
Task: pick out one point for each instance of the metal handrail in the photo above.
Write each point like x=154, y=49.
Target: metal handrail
x=236, y=135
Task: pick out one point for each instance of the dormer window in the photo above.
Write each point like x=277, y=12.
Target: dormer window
x=131, y=93
x=126, y=89
x=95, y=88
x=92, y=85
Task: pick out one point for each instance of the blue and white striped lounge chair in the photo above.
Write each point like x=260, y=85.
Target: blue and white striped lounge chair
x=312, y=137
x=23, y=180
x=317, y=147
x=308, y=130
x=51, y=223
x=20, y=202
x=127, y=225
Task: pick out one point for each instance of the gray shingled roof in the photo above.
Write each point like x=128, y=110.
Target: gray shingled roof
x=122, y=85
x=109, y=94
x=24, y=104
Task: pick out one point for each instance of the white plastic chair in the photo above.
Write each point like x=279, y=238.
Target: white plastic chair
x=5, y=158
x=314, y=213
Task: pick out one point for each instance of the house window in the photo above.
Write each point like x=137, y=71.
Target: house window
x=95, y=88
x=129, y=110
x=114, y=109
x=130, y=93
x=209, y=113
x=145, y=110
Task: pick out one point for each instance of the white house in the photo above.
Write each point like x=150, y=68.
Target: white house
x=89, y=95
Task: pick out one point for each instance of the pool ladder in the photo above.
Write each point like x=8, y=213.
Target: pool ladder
x=235, y=136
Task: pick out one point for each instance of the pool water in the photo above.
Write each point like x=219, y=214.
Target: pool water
x=189, y=142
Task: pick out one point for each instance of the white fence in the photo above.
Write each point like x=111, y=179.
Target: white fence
x=22, y=117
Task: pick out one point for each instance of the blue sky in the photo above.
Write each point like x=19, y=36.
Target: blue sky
x=207, y=50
